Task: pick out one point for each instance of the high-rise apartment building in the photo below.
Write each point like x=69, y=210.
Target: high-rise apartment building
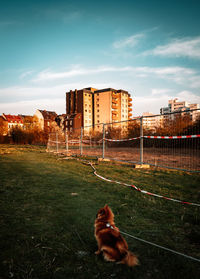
x=91, y=107
x=184, y=107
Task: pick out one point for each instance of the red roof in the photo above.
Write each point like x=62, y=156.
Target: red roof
x=13, y=118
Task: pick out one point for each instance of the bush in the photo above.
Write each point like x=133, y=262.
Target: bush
x=33, y=136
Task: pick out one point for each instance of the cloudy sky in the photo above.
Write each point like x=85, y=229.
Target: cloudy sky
x=150, y=48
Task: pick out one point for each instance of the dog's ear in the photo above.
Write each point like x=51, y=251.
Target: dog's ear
x=101, y=212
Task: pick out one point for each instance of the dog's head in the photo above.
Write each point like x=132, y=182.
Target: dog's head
x=105, y=214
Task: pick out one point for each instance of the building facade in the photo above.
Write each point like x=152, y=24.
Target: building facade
x=151, y=121
x=184, y=107
x=12, y=121
x=46, y=119
x=90, y=107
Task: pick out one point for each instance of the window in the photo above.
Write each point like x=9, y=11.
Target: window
x=97, y=99
x=97, y=105
x=98, y=110
x=70, y=122
x=90, y=111
x=85, y=105
x=85, y=94
x=85, y=121
x=85, y=110
x=98, y=116
x=97, y=121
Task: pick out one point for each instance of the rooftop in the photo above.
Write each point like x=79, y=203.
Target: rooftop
x=13, y=118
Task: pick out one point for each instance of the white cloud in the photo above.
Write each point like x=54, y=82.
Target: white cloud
x=149, y=103
x=130, y=41
x=153, y=102
x=29, y=107
x=160, y=91
x=188, y=96
x=77, y=71
x=25, y=74
x=163, y=72
x=186, y=47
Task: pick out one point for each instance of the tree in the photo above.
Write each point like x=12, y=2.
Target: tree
x=3, y=127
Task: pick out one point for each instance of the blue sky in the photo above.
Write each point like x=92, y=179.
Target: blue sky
x=150, y=48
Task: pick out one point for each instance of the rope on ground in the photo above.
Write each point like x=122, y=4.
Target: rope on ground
x=140, y=190
x=156, y=245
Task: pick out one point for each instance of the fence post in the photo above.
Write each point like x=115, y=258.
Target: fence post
x=48, y=148
x=81, y=141
x=103, y=151
x=66, y=140
x=56, y=142
x=141, y=140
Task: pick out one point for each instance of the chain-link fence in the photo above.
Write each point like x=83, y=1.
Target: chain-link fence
x=169, y=140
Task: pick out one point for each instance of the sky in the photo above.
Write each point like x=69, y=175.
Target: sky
x=151, y=48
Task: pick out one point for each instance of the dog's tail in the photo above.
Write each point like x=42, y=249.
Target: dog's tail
x=130, y=259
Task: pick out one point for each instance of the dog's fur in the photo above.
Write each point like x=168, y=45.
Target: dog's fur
x=110, y=241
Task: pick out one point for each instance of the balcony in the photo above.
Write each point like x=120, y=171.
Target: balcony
x=129, y=104
x=114, y=117
x=129, y=114
x=130, y=99
x=129, y=109
x=114, y=106
x=114, y=101
x=114, y=112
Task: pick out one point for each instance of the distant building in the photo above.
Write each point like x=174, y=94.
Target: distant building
x=184, y=107
x=151, y=121
x=91, y=107
x=29, y=121
x=13, y=121
x=45, y=119
x=3, y=126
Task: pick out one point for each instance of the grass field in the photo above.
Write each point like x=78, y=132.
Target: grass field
x=47, y=211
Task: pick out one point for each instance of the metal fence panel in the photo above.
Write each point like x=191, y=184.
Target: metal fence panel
x=170, y=141
x=122, y=141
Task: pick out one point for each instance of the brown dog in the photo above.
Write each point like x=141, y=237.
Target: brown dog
x=109, y=239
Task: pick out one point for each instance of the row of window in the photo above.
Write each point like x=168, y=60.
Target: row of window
x=124, y=100
x=87, y=95
x=88, y=121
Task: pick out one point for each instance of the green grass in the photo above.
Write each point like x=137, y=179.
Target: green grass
x=47, y=211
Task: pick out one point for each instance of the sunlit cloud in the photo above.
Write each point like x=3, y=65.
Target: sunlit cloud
x=186, y=47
